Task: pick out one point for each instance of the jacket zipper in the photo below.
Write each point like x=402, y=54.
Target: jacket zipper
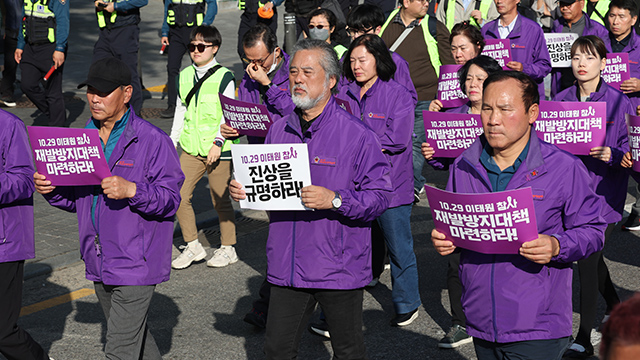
x=293, y=247
x=493, y=299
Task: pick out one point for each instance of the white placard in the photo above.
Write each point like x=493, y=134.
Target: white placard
x=272, y=175
x=559, y=46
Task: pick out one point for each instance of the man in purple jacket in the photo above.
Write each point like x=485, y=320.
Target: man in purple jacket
x=519, y=305
x=529, y=52
x=126, y=223
x=323, y=256
x=16, y=236
x=574, y=21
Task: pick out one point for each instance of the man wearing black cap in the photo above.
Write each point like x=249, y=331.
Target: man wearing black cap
x=125, y=223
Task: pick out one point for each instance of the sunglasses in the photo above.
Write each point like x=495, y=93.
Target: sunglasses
x=200, y=47
x=354, y=32
x=320, y=27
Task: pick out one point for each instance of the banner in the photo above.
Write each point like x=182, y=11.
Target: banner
x=248, y=118
x=449, y=133
x=499, y=49
x=559, y=46
x=572, y=126
x=633, y=125
x=272, y=175
x=68, y=156
x=449, y=92
x=491, y=223
x=617, y=69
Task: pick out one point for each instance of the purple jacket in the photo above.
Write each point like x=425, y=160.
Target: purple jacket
x=508, y=298
x=590, y=28
x=327, y=249
x=528, y=47
x=401, y=76
x=633, y=48
x=388, y=110
x=135, y=235
x=277, y=98
x=609, y=179
x=16, y=191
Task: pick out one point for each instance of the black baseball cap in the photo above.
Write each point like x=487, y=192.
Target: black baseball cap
x=106, y=75
x=566, y=1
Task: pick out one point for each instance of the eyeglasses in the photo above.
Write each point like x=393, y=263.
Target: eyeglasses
x=320, y=27
x=258, y=62
x=355, y=32
x=200, y=47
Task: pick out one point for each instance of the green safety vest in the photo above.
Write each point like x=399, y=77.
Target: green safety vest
x=204, y=113
x=451, y=12
x=601, y=10
x=242, y=4
x=340, y=50
x=185, y=13
x=432, y=44
x=104, y=17
x=39, y=22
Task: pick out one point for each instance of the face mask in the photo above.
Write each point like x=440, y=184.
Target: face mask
x=319, y=34
x=274, y=65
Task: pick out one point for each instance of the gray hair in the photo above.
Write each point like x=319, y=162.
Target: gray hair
x=328, y=58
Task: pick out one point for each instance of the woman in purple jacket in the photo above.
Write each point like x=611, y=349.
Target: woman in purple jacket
x=588, y=55
x=387, y=108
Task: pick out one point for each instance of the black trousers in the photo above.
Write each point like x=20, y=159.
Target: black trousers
x=10, y=64
x=594, y=278
x=454, y=285
x=122, y=43
x=45, y=95
x=178, y=42
x=290, y=310
x=247, y=21
x=15, y=343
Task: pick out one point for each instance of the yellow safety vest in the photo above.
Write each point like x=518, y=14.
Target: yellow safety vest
x=451, y=13
x=185, y=13
x=601, y=8
x=104, y=16
x=39, y=22
x=432, y=44
x=204, y=113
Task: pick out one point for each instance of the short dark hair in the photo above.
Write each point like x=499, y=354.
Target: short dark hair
x=385, y=66
x=329, y=15
x=625, y=5
x=209, y=34
x=365, y=16
x=590, y=44
x=260, y=33
x=530, y=94
x=471, y=32
x=623, y=326
x=486, y=63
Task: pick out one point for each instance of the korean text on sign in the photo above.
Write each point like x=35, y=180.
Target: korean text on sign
x=575, y=127
x=633, y=125
x=559, y=46
x=616, y=70
x=450, y=133
x=449, y=92
x=272, y=175
x=68, y=156
x=490, y=223
x=499, y=49
x=249, y=119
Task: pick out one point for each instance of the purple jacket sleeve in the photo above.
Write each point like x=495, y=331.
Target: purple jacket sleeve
x=403, y=77
x=160, y=195
x=373, y=189
x=540, y=65
x=622, y=143
x=62, y=197
x=281, y=101
x=584, y=234
x=16, y=181
x=399, y=125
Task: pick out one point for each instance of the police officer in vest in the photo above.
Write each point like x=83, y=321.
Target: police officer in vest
x=120, y=38
x=42, y=43
x=478, y=12
x=180, y=17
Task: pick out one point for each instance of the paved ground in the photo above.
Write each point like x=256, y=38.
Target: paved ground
x=198, y=314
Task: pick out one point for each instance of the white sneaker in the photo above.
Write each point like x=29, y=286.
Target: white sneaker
x=223, y=257
x=190, y=254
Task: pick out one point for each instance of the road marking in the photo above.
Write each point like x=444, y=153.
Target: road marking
x=159, y=88
x=58, y=300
